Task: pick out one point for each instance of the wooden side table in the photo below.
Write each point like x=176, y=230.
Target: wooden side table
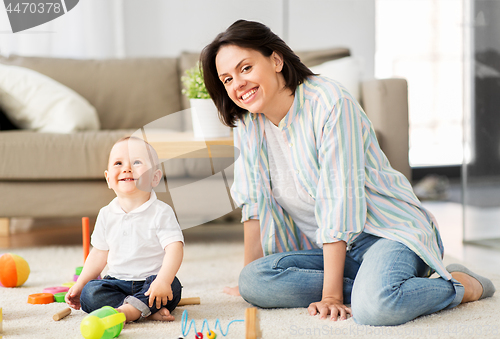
x=185, y=145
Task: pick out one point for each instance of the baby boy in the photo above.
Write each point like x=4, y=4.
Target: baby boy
x=138, y=237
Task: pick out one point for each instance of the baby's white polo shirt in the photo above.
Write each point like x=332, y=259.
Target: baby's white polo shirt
x=136, y=240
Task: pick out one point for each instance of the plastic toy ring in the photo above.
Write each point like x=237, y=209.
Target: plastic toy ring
x=54, y=290
x=199, y=335
x=59, y=297
x=78, y=270
x=41, y=298
x=211, y=335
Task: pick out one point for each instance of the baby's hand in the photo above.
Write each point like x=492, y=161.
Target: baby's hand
x=160, y=291
x=72, y=298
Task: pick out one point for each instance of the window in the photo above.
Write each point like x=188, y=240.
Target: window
x=422, y=41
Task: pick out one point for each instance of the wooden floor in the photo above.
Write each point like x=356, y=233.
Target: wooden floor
x=42, y=237
x=69, y=232
x=480, y=224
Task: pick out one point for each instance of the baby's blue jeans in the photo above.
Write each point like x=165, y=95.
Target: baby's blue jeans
x=114, y=292
x=384, y=281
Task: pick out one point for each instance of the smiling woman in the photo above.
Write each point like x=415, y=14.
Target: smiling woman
x=237, y=63
x=255, y=83
x=327, y=220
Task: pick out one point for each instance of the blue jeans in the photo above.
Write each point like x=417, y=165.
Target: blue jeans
x=384, y=281
x=114, y=292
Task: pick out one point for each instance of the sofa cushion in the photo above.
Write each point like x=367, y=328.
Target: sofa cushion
x=37, y=102
x=346, y=70
x=28, y=155
x=127, y=93
x=317, y=57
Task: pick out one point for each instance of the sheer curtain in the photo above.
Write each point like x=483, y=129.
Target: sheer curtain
x=92, y=29
x=422, y=41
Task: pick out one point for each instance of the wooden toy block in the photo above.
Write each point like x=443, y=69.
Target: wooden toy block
x=252, y=324
x=61, y=314
x=189, y=301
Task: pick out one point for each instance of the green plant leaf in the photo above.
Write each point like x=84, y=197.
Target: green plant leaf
x=194, y=86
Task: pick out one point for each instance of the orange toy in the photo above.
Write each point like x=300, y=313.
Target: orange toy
x=86, y=237
x=41, y=298
x=14, y=270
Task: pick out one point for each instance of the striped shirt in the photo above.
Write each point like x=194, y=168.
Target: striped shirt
x=339, y=163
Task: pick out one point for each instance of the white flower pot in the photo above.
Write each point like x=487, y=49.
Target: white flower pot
x=206, y=123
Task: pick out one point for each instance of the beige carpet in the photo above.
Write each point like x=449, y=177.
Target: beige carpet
x=207, y=268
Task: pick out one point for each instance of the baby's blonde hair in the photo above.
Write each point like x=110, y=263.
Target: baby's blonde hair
x=153, y=156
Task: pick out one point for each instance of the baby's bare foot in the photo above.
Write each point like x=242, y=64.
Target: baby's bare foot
x=162, y=315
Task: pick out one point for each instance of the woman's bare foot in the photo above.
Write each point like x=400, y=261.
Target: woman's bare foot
x=476, y=287
x=162, y=315
x=232, y=290
x=472, y=288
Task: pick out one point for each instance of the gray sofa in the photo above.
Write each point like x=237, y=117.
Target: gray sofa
x=61, y=175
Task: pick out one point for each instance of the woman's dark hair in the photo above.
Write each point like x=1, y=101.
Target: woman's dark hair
x=256, y=36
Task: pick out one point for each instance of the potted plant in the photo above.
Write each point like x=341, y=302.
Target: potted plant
x=204, y=114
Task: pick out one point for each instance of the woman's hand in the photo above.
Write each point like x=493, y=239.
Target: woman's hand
x=232, y=291
x=332, y=302
x=331, y=306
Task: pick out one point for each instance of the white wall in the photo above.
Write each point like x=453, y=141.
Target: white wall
x=166, y=27
x=347, y=23
x=91, y=30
